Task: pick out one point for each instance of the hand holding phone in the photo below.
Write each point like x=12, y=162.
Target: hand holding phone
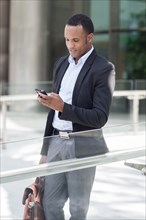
x=51, y=100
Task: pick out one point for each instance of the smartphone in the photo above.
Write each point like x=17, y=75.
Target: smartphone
x=41, y=91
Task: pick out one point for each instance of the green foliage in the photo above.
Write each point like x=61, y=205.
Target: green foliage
x=136, y=53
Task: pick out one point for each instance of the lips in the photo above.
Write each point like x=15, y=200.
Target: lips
x=72, y=51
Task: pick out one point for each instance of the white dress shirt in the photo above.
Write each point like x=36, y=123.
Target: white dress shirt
x=67, y=87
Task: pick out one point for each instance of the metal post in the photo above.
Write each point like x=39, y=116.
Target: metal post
x=135, y=110
x=3, y=121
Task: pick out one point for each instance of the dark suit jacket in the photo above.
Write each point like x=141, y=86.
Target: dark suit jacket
x=91, y=101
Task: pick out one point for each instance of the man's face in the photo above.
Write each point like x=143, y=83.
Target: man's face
x=78, y=42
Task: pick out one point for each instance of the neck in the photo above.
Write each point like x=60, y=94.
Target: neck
x=76, y=59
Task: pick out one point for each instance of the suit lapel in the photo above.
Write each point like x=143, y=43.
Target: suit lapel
x=60, y=75
x=82, y=74
x=80, y=78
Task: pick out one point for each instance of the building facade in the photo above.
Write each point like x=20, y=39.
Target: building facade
x=32, y=38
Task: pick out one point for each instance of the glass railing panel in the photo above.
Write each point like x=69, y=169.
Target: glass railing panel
x=140, y=84
x=29, y=88
x=115, y=185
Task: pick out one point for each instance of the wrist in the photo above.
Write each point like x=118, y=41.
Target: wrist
x=62, y=107
x=43, y=159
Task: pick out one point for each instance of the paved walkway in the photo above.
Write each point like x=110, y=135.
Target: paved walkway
x=118, y=191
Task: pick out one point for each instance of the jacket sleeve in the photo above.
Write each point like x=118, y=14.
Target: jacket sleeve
x=97, y=115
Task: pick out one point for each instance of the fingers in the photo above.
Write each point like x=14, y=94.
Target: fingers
x=54, y=95
x=53, y=101
x=42, y=96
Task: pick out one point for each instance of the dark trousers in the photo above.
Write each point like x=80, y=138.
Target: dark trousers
x=75, y=185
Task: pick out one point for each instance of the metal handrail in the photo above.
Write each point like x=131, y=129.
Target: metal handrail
x=70, y=165
x=134, y=95
x=21, y=97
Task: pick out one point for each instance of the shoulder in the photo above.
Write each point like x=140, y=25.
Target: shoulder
x=61, y=60
x=58, y=64
x=101, y=63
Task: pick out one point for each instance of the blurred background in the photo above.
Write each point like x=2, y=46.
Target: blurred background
x=32, y=39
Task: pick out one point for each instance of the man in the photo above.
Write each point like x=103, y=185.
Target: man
x=80, y=101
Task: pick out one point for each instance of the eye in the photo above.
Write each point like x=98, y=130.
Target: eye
x=76, y=40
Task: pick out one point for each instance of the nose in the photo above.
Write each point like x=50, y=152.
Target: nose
x=70, y=45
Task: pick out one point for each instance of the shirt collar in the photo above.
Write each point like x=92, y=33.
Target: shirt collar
x=83, y=58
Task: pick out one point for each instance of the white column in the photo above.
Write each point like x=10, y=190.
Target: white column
x=29, y=37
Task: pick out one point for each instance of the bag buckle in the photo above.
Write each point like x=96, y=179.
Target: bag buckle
x=31, y=204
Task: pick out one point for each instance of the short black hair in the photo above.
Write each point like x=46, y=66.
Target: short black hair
x=81, y=19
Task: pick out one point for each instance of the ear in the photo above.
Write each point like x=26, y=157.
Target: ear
x=90, y=37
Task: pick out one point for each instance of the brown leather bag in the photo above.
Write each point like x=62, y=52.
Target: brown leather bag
x=32, y=201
